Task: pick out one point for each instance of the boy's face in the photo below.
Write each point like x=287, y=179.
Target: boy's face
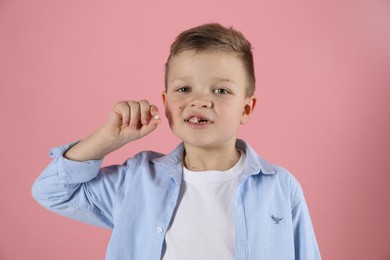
x=205, y=100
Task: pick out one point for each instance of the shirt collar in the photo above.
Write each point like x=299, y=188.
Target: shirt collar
x=172, y=165
x=255, y=164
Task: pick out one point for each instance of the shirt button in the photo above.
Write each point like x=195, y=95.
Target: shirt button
x=159, y=229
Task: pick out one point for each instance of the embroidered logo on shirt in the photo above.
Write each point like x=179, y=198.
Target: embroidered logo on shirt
x=276, y=219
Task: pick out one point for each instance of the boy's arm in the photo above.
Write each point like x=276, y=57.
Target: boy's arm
x=63, y=188
x=73, y=184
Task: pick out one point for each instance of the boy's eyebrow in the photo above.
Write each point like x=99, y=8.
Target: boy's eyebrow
x=224, y=79
x=181, y=79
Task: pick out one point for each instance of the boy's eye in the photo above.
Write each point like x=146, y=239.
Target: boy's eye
x=183, y=89
x=221, y=91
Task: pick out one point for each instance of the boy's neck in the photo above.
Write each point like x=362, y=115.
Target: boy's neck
x=207, y=159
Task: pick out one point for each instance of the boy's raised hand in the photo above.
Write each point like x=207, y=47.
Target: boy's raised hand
x=131, y=120
x=128, y=121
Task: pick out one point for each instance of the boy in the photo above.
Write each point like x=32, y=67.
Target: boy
x=213, y=197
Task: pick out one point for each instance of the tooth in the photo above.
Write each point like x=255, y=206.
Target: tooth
x=194, y=120
x=197, y=120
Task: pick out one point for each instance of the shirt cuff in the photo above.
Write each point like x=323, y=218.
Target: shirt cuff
x=73, y=172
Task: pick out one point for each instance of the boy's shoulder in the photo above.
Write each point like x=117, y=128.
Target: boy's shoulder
x=288, y=183
x=283, y=174
x=265, y=167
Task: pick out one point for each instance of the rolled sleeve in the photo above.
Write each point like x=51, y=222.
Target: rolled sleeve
x=69, y=170
x=63, y=187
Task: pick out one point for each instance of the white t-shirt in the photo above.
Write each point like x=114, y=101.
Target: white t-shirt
x=203, y=225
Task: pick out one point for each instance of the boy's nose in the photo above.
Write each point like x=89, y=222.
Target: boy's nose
x=201, y=102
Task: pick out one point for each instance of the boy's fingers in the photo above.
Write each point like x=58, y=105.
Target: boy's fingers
x=152, y=125
x=134, y=114
x=144, y=110
x=141, y=117
x=121, y=112
x=154, y=121
x=154, y=112
x=149, y=113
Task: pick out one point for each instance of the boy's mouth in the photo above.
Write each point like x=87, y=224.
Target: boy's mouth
x=197, y=120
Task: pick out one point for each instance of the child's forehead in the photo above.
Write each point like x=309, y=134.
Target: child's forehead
x=191, y=58
x=191, y=66
x=206, y=61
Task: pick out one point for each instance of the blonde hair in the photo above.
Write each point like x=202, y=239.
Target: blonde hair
x=215, y=37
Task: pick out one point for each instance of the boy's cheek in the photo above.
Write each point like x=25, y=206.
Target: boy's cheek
x=169, y=115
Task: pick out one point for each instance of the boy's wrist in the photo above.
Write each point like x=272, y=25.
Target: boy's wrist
x=104, y=142
x=94, y=147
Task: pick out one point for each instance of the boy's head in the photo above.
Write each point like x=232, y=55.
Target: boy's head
x=214, y=37
x=209, y=86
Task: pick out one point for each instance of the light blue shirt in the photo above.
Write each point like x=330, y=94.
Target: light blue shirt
x=137, y=201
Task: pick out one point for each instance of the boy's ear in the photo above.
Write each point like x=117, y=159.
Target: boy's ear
x=249, y=107
x=165, y=102
x=164, y=97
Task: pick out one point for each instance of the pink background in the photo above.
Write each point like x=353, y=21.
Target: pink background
x=323, y=79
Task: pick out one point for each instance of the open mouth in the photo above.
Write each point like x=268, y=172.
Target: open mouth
x=197, y=120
